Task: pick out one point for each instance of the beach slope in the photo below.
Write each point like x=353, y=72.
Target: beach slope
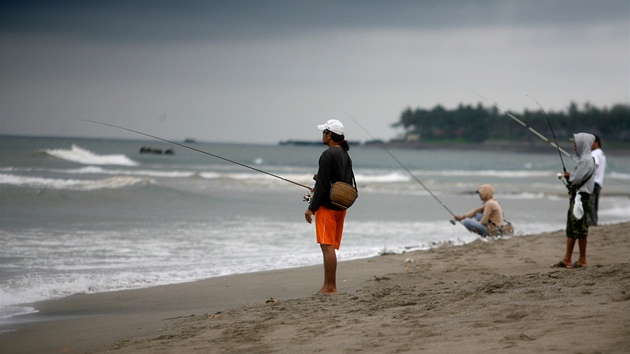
x=495, y=295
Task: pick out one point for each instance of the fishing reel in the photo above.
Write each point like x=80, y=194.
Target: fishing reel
x=307, y=197
x=562, y=178
x=565, y=182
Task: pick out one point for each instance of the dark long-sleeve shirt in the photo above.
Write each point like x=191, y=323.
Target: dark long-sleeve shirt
x=334, y=165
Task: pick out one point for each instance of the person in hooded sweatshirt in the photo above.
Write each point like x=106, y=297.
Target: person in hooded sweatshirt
x=581, y=183
x=486, y=220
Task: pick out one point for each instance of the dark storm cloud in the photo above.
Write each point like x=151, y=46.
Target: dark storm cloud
x=143, y=20
x=238, y=70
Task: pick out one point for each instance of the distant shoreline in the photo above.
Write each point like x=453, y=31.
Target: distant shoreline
x=508, y=146
x=501, y=146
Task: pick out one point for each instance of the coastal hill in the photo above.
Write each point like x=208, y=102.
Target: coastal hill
x=487, y=128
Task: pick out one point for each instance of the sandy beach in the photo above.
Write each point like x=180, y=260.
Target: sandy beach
x=497, y=295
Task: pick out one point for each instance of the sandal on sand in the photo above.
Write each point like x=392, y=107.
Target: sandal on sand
x=578, y=265
x=561, y=265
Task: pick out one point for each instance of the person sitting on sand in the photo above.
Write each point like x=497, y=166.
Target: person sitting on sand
x=486, y=220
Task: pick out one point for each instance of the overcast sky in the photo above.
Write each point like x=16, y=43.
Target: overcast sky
x=265, y=71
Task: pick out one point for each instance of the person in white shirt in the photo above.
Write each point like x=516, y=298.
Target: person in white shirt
x=600, y=163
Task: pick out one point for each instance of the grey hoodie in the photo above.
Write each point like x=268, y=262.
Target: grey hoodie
x=586, y=165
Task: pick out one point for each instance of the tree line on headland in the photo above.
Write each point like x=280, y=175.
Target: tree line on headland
x=479, y=124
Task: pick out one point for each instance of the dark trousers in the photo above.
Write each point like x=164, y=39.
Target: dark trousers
x=593, y=206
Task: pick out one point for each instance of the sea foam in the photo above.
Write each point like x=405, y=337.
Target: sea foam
x=71, y=184
x=86, y=157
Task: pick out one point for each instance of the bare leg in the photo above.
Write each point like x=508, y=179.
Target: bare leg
x=569, y=252
x=582, y=244
x=330, y=270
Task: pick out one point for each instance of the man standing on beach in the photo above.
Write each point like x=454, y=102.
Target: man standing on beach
x=580, y=183
x=600, y=165
x=334, y=165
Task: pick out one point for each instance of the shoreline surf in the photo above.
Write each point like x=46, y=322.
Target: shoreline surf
x=197, y=316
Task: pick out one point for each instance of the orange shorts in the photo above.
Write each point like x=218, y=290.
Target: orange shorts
x=329, y=226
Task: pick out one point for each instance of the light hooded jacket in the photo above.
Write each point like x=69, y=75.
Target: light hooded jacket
x=583, y=175
x=491, y=209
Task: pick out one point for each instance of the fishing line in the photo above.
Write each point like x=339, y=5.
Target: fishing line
x=201, y=151
x=403, y=166
x=552, y=132
x=555, y=145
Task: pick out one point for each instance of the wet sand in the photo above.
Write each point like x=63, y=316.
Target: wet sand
x=496, y=295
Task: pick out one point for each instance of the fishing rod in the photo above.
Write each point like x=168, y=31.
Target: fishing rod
x=201, y=151
x=555, y=145
x=452, y=221
x=552, y=132
x=554, y=137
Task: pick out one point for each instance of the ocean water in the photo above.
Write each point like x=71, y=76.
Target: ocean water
x=90, y=215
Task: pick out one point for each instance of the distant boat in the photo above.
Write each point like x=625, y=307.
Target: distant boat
x=156, y=151
x=190, y=140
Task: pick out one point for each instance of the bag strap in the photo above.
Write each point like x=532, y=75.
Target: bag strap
x=354, y=182
x=585, y=179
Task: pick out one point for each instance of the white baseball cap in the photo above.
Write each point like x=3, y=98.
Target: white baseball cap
x=333, y=125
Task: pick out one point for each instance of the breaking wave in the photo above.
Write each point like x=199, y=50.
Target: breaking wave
x=86, y=157
x=71, y=184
